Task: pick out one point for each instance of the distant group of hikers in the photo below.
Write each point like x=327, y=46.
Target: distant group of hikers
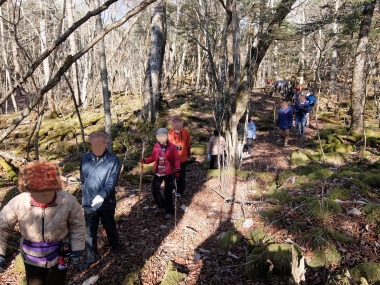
x=55, y=229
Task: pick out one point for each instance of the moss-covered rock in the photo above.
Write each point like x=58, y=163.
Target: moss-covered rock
x=372, y=212
x=298, y=158
x=284, y=176
x=322, y=173
x=344, y=148
x=369, y=270
x=339, y=193
x=131, y=279
x=273, y=260
x=198, y=149
x=282, y=196
x=69, y=167
x=172, y=276
x=372, y=180
x=264, y=177
x=229, y=238
x=324, y=256
x=335, y=158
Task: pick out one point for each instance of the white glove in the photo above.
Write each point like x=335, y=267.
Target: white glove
x=208, y=157
x=97, y=202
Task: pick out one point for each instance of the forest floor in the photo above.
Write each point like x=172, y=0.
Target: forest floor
x=228, y=234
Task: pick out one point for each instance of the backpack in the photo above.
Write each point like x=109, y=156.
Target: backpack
x=311, y=100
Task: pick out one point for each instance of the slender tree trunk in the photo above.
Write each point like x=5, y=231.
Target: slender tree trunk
x=152, y=83
x=334, y=54
x=358, y=76
x=104, y=78
x=199, y=66
x=73, y=50
x=302, y=56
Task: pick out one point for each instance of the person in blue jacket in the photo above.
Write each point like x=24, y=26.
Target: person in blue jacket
x=301, y=108
x=312, y=101
x=251, y=135
x=285, y=121
x=99, y=174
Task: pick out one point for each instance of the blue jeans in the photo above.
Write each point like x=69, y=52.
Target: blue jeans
x=300, y=120
x=92, y=224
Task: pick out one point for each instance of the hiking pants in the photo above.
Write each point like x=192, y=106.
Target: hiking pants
x=92, y=225
x=169, y=186
x=285, y=135
x=249, y=145
x=214, y=161
x=300, y=120
x=182, y=179
x=44, y=276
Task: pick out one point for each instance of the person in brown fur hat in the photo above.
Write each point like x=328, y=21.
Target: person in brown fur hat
x=51, y=224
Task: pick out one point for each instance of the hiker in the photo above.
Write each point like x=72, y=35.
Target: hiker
x=51, y=224
x=215, y=149
x=285, y=121
x=166, y=168
x=301, y=108
x=251, y=135
x=297, y=93
x=180, y=137
x=311, y=100
x=99, y=174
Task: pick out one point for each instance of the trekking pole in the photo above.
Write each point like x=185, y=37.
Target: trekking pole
x=175, y=201
x=141, y=172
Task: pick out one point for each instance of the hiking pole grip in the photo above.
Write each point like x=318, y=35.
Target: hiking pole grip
x=141, y=172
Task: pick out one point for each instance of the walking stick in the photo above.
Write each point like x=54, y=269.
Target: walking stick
x=175, y=201
x=141, y=172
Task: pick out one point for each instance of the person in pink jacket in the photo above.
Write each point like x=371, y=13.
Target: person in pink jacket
x=166, y=167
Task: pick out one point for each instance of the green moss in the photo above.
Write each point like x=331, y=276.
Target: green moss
x=273, y=260
x=258, y=235
x=298, y=158
x=322, y=173
x=324, y=256
x=369, y=270
x=372, y=212
x=324, y=236
x=264, y=177
x=229, y=238
x=282, y=196
x=335, y=158
x=307, y=169
x=131, y=279
x=339, y=193
x=229, y=172
x=372, y=180
x=199, y=149
x=344, y=148
x=19, y=265
x=69, y=167
x=172, y=276
x=356, y=184
x=324, y=208
x=272, y=212
x=284, y=176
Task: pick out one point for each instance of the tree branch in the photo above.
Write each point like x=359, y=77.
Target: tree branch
x=69, y=61
x=57, y=42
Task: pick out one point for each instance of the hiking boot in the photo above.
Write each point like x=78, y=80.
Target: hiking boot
x=158, y=211
x=168, y=216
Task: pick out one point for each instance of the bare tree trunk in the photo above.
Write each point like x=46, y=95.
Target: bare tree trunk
x=73, y=49
x=302, y=56
x=334, y=54
x=199, y=66
x=152, y=83
x=358, y=76
x=104, y=78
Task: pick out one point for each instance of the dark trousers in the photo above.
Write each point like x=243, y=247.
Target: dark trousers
x=169, y=186
x=92, y=224
x=44, y=276
x=214, y=161
x=249, y=145
x=182, y=179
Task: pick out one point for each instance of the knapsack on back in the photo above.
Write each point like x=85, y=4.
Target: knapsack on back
x=311, y=100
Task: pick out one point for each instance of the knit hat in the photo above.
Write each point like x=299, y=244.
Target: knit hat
x=37, y=176
x=162, y=131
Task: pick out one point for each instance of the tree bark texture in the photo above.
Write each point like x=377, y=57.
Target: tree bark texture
x=358, y=76
x=152, y=83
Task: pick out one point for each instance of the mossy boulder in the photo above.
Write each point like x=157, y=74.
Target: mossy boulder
x=278, y=195
x=70, y=167
x=372, y=180
x=322, y=173
x=368, y=270
x=335, y=158
x=284, y=176
x=324, y=256
x=172, y=276
x=344, y=148
x=372, y=212
x=198, y=149
x=298, y=158
x=273, y=260
x=229, y=238
x=264, y=177
x=339, y=193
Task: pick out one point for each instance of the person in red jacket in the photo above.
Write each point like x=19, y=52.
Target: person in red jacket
x=167, y=165
x=180, y=137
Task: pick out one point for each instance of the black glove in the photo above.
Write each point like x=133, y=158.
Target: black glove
x=75, y=258
x=2, y=261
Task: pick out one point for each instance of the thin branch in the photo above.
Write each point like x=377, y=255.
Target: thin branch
x=70, y=60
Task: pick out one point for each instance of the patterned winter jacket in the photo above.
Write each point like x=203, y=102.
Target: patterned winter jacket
x=172, y=158
x=63, y=220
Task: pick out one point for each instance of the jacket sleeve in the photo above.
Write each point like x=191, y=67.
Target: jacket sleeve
x=8, y=220
x=209, y=145
x=177, y=162
x=77, y=226
x=307, y=107
x=188, y=145
x=290, y=118
x=111, y=182
x=153, y=157
x=254, y=130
